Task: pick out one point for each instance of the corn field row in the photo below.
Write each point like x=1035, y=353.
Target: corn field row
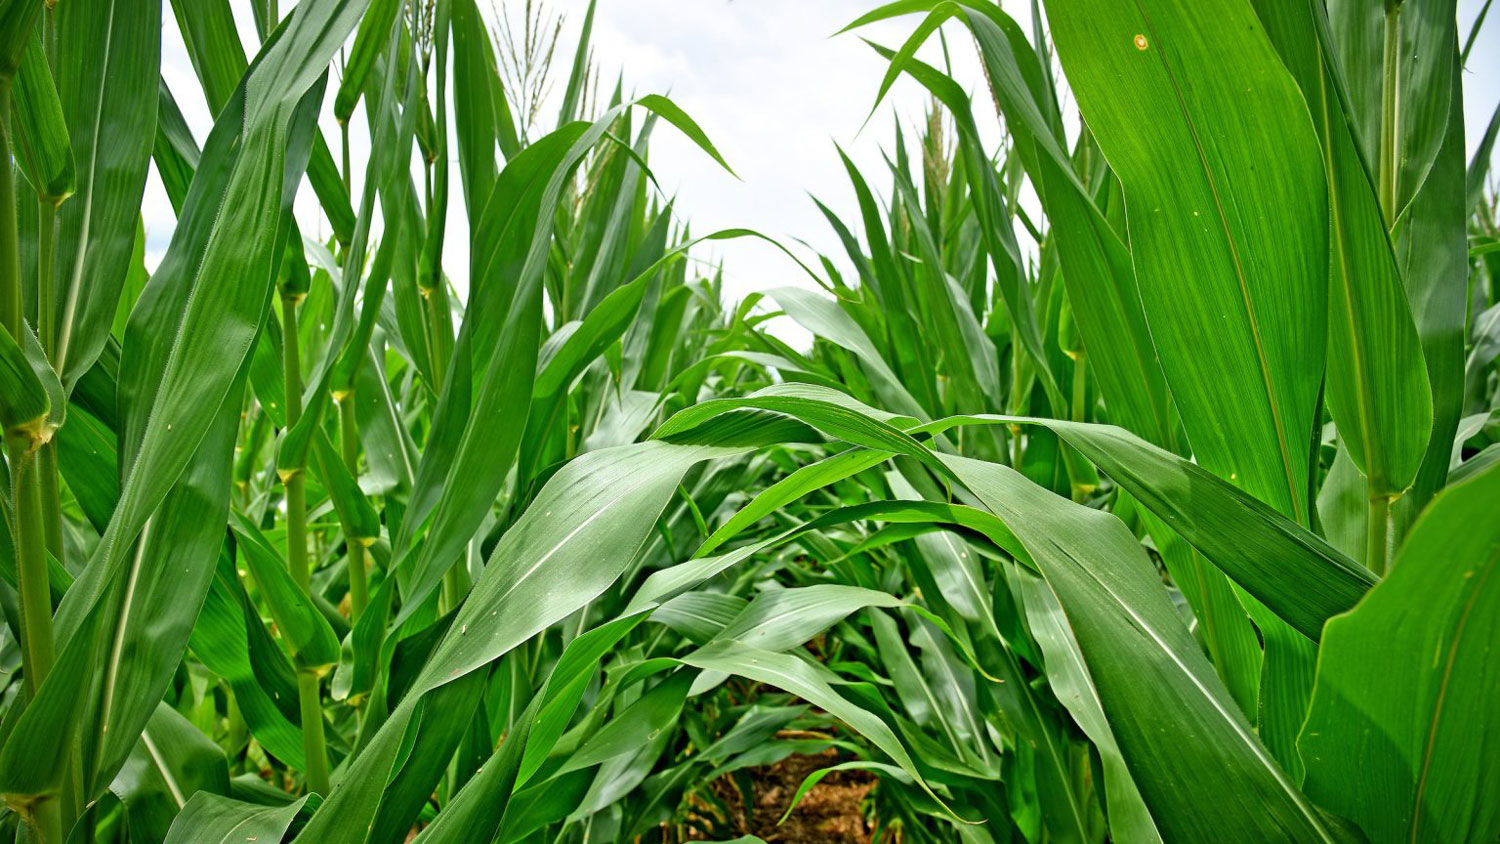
x=1139, y=483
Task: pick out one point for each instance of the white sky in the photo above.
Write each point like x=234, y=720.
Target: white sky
x=771, y=88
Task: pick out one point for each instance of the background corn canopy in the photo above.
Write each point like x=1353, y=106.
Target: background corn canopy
x=1139, y=483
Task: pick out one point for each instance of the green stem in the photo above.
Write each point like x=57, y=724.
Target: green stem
x=245, y=470
x=37, y=648
x=44, y=821
x=1017, y=447
x=312, y=732
x=359, y=578
x=1377, y=527
x=1390, y=112
x=426, y=173
x=344, y=132
x=439, y=337
x=295, y=480
x=237, y=727
x=291, y=358
x=44, y=818
x=359, y=589
x=455, y=584
x=37, y=652
x=51, y=492
x=1080, y=387
x=1079, y=406
x=296, y=529
x=46, y=218
x=348, y=432
x=47, y=329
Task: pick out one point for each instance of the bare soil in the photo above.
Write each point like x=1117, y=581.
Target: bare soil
x=831, y=813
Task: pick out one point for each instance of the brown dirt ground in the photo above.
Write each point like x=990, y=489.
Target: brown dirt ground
x=829, y=814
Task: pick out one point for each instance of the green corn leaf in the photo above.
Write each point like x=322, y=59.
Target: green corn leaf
x=231, y=641
x=24, y=401
x=476, y=454
x=373, y=35
x=180, y=384
x=1107, y=589
x=824, y=319
x=1417, y=747
x=1067, y=671
x=1377, y=386
x=810, y=682
x=46, y=154
x=1230, y=250
x=175, y=153
x=782, y=619
x=1430, y=245
x=1425, y=36
x=308, y=636
x=17, y=22
x=221, y=820
x=481, y=112
x=1246, y=539
x=172, y=763
x=182, y=391
x=575, y=529
x=578, y=76
x=107, y=59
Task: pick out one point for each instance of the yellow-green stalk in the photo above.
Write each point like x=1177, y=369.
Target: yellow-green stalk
x=1377, y=517
x=295, y=480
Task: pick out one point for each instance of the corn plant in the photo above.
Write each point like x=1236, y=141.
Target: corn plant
x=1159, y=508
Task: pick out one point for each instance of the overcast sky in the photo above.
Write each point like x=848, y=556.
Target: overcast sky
x=772, y=87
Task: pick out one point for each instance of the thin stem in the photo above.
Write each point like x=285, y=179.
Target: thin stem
x=296, y=529
x=359, y=578
x=344, y=132
x=295, y=480
x=1076, y=412
x=1017, y=446
x=46, y=218
x=437, y=333
x=348, y=432
x=47, y=329
x=313, y=742
x=37, y=652
x=455, y=584
x=359, y=589
x=51, y=492
x=251, y=448
x=427, y=181
x=1390, y=112
x=1080, y=387
x=43, y=818
x=291, y=357
x=44, y=821
x=1377, y=527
